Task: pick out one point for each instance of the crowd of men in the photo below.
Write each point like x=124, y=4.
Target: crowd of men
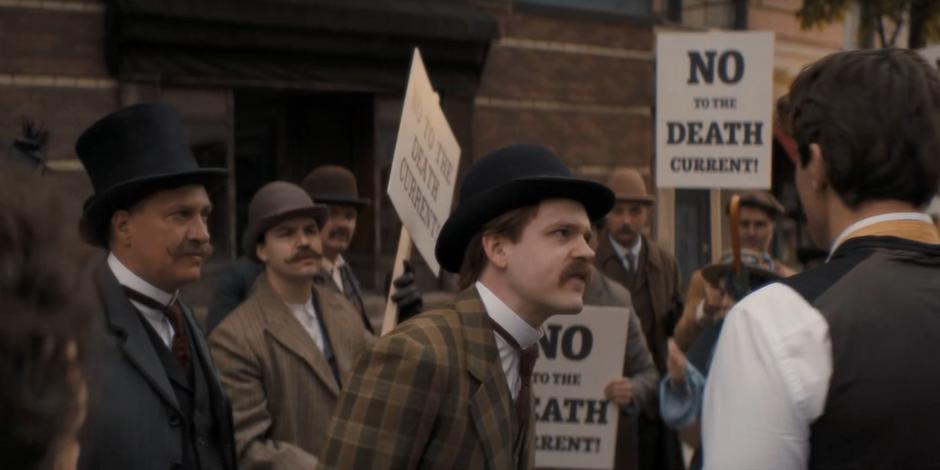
x=828, y=368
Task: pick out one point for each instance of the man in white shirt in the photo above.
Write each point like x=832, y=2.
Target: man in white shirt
x=282, y=354
x=826, y=369
x=450, y=388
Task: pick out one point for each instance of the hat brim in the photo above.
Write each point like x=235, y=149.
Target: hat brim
x=342, y=199
x=256, y=230
x=473, y=213
x=713, y=273
x=99, y=208
x=640, y=199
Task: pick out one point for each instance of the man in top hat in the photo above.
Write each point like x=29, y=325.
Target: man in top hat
x=759, y=211
x=154, y=400
x=450, y=388
x=651, y=275
x=835, y=367
x=335, y=187
x=282, y=355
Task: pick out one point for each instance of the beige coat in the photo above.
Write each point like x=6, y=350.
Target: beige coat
x=282, y=390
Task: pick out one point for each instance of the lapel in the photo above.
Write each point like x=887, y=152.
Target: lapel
x=285, y=329
x=337, y=316
x=490, y=405
x=652, y=274
x=125, y=322
x=609, y=262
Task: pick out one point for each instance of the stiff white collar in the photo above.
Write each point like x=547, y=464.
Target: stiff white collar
x=875, y=219
x=521, y=331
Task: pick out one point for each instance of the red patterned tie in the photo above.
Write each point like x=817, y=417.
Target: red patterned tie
x=173, y=312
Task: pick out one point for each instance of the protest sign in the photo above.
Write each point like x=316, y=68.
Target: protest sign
x=714, y=108
x=575, y=426
x=423, y=174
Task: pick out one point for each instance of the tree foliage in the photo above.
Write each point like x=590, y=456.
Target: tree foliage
x=881, y=19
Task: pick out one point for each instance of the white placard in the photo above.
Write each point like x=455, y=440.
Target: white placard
x=424, y=167
x=575, y=426
x=714, y=105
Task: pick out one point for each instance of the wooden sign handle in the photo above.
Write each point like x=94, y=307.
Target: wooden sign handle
x=398, y=268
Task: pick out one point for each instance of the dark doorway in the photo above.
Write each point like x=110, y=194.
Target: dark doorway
x=283, y=135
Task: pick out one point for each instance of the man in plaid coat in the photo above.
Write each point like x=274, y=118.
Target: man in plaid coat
x=450, y=388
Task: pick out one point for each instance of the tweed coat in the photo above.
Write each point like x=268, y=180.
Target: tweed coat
x=431, y=394
x=133, y=414
x=282, y=389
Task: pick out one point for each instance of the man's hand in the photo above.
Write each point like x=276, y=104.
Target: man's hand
x=675, y=363
x=620, y=391
x=713, y=300
x=407, y=296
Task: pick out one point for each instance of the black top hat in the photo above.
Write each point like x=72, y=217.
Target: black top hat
x=507, y=179
x=332, y=184
x=274, y=203
x=131, y=154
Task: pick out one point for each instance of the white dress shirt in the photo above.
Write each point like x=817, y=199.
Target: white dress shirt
x=306, y=314
x=334, y=270
x=157, y=319
x=522, y=332
x=770, y=376
x=622, y=252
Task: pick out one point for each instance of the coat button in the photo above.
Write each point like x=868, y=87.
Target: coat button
x=174, y=419
x=201, y=440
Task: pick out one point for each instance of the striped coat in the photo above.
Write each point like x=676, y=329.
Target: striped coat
x=282, y=390
x=430, y=395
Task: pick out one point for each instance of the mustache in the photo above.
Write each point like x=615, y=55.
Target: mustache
x=576, y=270
x=340, y=231
x=304, y=253
x=626, y=229
x=192, y=248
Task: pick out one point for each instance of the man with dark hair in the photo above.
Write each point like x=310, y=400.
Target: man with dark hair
x=154, y=399
x=43, y=324
x=450, y=388
x=831, y=368
x=336, y=188
x=283, y=354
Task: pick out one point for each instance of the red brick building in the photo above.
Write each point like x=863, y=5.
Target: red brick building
x=271, y=89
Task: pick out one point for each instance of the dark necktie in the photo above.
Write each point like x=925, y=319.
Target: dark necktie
x=527, y=358
x=173, y=312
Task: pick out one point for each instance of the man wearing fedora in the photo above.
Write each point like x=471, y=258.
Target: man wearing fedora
x=651, y=275
x=282, y=355
x=450, y=388
x=336, y=188
x=154, y=399
x=759, y=211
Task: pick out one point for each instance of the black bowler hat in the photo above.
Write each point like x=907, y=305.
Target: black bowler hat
x=131, y=154
x=510, y=178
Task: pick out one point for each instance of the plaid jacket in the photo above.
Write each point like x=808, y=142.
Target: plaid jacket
x=429, y=395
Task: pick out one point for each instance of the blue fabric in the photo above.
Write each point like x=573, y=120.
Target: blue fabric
x=681, y=405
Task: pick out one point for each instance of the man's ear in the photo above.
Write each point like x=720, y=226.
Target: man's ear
x=819, y=177
x=121, y=228
x=495, y=247
x=260, y=252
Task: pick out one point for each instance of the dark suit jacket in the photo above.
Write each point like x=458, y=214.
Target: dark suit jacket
x=132, y=420
x=431, y=394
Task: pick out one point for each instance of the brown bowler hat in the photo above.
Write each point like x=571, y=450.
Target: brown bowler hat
x=763, y=200
x=332, y=184
x=274, y=203
x=628, y=186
